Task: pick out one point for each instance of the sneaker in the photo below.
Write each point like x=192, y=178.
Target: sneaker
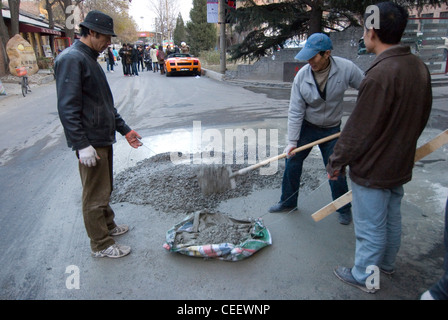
x=345, y=275
x=119, y=230
x=114, y=251
x=281, y=208
x=345, y=218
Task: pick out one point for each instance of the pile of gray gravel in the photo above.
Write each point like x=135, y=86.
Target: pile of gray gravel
x=170, y=187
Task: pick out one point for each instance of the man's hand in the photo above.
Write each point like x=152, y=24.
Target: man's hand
x=335, y=173
x=333, y=176
x=133, y=139
x=88, y=156
x=288, y=149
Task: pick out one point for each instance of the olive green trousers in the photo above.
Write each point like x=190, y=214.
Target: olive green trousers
x=97, y=185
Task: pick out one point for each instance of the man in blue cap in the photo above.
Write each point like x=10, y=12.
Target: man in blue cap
x=90, y=120
x=315, y=112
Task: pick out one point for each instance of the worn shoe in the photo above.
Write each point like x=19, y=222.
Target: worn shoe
x=388, y=272
x=345, y=275
x=114, y=251
x=345, y=218
x=281, y=208
x=118, y=230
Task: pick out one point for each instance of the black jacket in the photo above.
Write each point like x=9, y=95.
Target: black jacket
x=85, y=101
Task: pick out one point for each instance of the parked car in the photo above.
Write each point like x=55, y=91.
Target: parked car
x=182, y=63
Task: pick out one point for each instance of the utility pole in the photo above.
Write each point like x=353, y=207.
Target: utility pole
x=222, y=29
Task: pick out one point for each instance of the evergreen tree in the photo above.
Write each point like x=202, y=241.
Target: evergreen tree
x=201, y=34
x=179, y=33
x=269, y=26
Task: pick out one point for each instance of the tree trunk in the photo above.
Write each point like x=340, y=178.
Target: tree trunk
x=49, y=8
x=315, y=22
x=14, y=6
x=4, y=35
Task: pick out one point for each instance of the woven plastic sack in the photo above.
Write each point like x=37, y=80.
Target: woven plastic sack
x=225, y=238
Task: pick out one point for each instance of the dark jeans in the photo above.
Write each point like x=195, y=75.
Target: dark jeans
x=134, y=68
x=125, y=69
x=148, y=66
x=294, y=165
x=440, y=290
x=140, y=63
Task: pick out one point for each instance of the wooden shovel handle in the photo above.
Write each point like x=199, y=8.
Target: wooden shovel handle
x=283, y=155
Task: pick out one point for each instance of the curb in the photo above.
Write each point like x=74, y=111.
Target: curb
x=440, y=80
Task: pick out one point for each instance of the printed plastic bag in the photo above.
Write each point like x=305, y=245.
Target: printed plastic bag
x=216, y=235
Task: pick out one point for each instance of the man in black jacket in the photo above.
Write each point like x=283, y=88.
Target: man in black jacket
x=90, y=120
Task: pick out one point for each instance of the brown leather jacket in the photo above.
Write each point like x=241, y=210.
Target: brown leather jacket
x=379, y=140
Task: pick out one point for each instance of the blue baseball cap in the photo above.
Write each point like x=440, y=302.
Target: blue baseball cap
x=316, y=43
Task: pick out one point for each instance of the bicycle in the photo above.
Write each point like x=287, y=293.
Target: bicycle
x=23, y=73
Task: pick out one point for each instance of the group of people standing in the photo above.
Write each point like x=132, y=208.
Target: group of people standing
x=131, y=59
x=136, y=59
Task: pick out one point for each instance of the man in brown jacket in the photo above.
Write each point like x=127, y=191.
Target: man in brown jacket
x=378, y=143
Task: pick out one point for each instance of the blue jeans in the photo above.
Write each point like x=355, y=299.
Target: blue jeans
x=440, y=290
x=294, y=165
x=377, y=221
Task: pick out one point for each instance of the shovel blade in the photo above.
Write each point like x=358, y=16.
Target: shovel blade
x=215, y=179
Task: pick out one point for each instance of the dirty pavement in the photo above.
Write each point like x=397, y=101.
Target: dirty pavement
x=152, y=194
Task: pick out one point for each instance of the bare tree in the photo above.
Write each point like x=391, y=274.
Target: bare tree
x=166, y=12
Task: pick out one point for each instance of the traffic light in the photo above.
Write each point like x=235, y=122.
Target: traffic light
x=230, y=6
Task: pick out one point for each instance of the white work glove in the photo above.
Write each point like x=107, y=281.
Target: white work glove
x=88, y=156
x=288, y=149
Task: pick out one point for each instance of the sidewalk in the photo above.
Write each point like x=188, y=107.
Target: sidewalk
x=438, y=80
x=11, y=83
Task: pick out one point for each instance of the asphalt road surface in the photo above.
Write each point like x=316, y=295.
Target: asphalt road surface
x=45, y=252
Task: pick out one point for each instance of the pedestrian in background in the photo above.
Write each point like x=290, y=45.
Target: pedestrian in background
x=128, y=56
x=147, y=58
x=161, y=59
x=90, y=121
x=140, y=54
x=116, y=56
x=155, y=62
x=122, y=54
x=134, y=61
x=378, y=143
x=315, y=112
x=110, y=61
x=184, y=48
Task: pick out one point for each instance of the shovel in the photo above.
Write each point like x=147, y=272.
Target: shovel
x=219, y=179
